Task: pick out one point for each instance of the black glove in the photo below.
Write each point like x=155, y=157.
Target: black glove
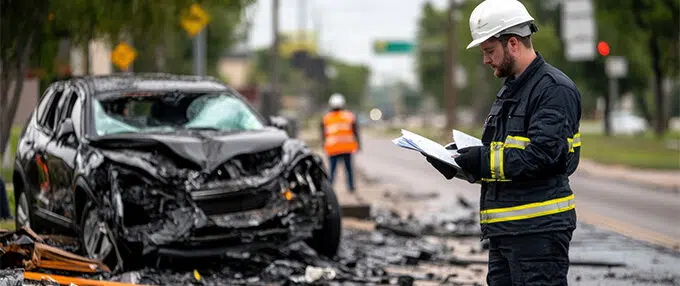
x=445, y=169
x=470, y=160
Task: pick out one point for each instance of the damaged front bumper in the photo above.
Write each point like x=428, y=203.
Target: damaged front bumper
x=217, y=219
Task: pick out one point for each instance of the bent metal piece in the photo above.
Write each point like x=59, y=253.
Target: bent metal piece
x=66, y=280
x=34, y=254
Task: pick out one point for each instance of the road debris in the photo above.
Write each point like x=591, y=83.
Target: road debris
x=26, y=249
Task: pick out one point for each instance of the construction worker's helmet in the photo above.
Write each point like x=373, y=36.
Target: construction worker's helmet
x=336, y=101
x=493, y=18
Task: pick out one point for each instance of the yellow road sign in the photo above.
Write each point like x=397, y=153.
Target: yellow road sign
x=123, y=55
x=195, y=20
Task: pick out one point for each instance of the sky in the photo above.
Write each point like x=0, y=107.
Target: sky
x=348, y=29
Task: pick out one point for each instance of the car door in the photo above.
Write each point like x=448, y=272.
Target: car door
x=61, y=153
x=44, y=133
x=31, y=146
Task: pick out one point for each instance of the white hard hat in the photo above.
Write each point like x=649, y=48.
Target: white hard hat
x=495, y=17
x=336, y=101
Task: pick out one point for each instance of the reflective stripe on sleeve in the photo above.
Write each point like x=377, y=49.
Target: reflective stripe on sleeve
x=528, y=211
x=574, y=142
x=496, y=161
x=518, y=142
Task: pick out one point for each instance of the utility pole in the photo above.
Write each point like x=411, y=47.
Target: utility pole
x=302, y=37
x=199, y=53
x=450, y=88
x=272, y=99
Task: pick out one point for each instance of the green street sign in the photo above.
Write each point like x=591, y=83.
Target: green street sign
x=393, y=47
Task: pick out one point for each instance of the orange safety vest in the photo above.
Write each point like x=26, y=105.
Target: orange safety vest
x=339, y=133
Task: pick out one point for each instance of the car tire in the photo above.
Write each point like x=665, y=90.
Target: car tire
x=96, y=231
x=22, y=206
x=326, y=240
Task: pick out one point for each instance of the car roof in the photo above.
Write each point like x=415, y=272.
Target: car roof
x=150, y=82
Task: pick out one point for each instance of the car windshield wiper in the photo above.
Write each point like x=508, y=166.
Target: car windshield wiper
x=204, y=128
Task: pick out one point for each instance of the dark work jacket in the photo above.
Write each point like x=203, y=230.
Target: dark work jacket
x=531, y=146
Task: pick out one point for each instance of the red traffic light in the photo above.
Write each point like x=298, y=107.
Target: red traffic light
x=603, y=48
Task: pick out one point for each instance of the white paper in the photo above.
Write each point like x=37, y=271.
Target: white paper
x=464, y=140
x=413, y=141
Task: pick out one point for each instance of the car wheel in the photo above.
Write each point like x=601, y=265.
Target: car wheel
x=23, y=211
x=326, y=240
x=97, y=240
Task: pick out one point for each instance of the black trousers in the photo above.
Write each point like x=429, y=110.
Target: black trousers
x=532, y=259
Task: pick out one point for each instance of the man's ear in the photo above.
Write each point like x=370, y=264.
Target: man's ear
x=513, y=44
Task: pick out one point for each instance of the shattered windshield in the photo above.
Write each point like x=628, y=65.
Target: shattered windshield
x=170, y=112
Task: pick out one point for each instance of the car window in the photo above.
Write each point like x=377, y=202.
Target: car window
x=44, y=101
x=76, y=112
x=62, y=106
x=68, y=106
x=51, y=112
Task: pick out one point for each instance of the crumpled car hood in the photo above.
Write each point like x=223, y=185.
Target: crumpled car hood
x=206, y=152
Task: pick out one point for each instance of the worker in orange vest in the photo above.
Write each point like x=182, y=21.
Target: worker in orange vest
x=340, y=136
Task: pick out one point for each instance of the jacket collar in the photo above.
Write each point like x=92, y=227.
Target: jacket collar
x=513, y=84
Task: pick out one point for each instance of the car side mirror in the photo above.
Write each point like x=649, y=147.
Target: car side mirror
x=66, y=129
x=279, y=122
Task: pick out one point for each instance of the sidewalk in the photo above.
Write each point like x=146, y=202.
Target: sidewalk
x=654, y=178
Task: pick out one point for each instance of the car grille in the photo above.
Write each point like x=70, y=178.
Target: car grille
x=235, y=202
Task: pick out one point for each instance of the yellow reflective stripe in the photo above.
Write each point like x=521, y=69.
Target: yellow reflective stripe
x=500, y=159
x=527, y=206
x=492, y=159
x=518, y=142
x=528, y=211
x=527, y=216
x=577, y=140
x=574, y=142
x=495, y=180
x=496, y=160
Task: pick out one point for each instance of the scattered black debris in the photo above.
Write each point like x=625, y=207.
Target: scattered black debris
x=12, y=277
x=456, y=222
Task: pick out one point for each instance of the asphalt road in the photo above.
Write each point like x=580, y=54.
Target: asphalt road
x=646, y=217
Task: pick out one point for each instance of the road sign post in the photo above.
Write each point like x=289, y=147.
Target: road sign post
x=194, y=24
x=615, y=68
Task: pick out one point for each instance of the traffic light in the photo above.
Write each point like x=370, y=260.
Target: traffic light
x=603, y=48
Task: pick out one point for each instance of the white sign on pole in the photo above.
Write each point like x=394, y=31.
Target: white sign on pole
x=578, y=30
x=616, y=67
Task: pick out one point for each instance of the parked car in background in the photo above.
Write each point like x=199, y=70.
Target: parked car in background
x=624, y=122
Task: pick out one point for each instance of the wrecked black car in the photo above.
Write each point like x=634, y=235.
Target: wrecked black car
x=161, y=165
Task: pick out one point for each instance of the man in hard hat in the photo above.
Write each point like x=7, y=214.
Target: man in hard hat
x=340, y=136
x=531, y=144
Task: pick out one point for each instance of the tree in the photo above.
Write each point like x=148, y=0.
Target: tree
x=28, y=26
x=21, y=22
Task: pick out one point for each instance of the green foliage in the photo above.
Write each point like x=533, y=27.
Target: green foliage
x=635, y=151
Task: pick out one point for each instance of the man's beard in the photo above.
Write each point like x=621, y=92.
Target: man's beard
x=506, y=66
